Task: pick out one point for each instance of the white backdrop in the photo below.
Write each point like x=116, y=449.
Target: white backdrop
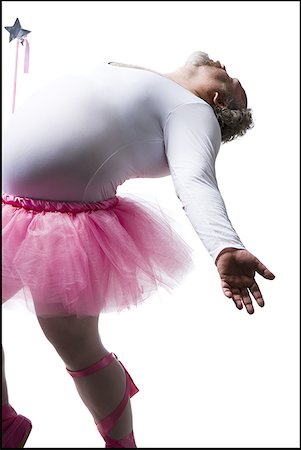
x=210, y=376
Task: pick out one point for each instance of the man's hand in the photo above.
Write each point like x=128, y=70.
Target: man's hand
x=237, y=270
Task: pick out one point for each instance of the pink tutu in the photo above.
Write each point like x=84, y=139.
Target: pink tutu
x=86, y=258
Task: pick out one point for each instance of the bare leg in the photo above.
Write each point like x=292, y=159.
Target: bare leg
x=78, y=343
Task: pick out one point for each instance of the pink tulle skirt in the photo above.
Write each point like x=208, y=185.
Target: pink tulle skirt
x=86, y=258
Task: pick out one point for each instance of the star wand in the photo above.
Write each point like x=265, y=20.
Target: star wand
x=18, y=33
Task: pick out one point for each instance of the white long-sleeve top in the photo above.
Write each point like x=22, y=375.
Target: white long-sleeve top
x=83, y=135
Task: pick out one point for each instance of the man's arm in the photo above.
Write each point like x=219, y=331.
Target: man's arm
x=192, y=141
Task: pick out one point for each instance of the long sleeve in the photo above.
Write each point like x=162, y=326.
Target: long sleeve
x=192, y=141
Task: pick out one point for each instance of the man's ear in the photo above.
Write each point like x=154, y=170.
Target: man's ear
x=218, y=100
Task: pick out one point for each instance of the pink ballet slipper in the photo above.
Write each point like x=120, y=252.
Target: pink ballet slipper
x=105, y=425
x=126, y=442
x=15, y=428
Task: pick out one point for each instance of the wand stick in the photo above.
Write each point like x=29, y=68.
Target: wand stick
x=16, y=75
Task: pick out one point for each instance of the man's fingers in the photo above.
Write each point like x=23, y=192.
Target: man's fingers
x=241, y=297
x=238, y=303
x=237, y=299
x=226, y=289
x=264, y=271
x=227, y=293
x=257, y=294
x=230, y=294
x=247, y=301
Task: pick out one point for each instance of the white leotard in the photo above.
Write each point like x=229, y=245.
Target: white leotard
x=83, y=135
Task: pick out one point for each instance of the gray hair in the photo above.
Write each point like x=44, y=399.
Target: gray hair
x=199, y=59
x=234, y=121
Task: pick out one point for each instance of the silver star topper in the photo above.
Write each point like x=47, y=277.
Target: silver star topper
x=16, y=32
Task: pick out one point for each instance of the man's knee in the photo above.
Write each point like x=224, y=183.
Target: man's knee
x=75, y=339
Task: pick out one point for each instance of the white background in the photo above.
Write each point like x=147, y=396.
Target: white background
x=209, y=375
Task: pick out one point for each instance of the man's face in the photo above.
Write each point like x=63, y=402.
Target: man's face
x=232, y=85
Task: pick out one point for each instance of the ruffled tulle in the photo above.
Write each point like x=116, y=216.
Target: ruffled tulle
x=86, y=258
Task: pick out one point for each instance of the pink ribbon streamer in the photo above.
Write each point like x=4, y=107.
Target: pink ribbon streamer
x=26, y=56
x=26, y=67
